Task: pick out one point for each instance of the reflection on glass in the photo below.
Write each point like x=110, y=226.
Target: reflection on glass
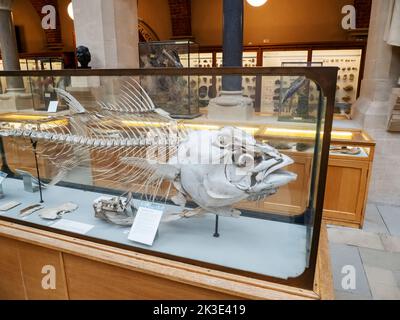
x=349, y=64
x=110, y=148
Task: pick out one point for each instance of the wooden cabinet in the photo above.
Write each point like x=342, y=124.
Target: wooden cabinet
x=292, y=199
x=11, y=282
x=23, y=269
x=347, y=187
x=87, y=270
x=347, y=184
x=19, y=152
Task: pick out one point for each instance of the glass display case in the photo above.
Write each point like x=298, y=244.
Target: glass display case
x=349, y=64
x=211, y=87
x=173, y=54
x=348, y=56
x=116, y=168
x=39, y=63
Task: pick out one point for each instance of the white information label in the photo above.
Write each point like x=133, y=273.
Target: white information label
x=53, y=105
x=9, y=205
x=72, y=226
x=146, y=224
x=3, y=176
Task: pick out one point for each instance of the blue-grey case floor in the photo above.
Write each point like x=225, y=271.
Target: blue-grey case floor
x=260, y=246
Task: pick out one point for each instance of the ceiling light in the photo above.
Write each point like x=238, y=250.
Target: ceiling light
x=257, y=3
x=70, y=11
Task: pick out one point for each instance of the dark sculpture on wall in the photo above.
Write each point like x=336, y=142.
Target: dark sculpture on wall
x=83, y=56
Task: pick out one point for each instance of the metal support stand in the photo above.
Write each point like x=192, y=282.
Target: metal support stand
x=232, y=42
x=216, y=234
x=34, y=145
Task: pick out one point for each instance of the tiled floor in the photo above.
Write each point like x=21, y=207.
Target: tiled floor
x=366, y=263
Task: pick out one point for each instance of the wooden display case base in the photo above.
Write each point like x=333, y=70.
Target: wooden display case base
x=87, y=270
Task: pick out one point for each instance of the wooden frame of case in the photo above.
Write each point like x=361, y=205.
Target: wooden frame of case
x=325, y=77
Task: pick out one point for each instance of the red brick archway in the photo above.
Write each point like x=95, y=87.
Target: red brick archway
x=181, y=18
x=363, y=9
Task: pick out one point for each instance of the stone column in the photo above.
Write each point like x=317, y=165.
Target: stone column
x=372, y=109
x=233, y=42
x=8, y=46
x=231, y=105
x=109, y=28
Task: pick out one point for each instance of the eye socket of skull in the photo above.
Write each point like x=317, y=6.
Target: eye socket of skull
x=245, y=160
x=223, y=141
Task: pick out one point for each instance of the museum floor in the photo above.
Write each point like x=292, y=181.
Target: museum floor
x=373, y=251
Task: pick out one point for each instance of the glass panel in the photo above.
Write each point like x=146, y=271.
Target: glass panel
x=278, y=58
x=249, y=83
x=33, y=64
x=206, y=85
x=23, y=64
x=109, y=152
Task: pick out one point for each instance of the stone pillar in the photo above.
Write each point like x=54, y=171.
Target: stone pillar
x=233, y=42
x=231, y=105
x=8, y=46
x=109, y=28
x=372, y=109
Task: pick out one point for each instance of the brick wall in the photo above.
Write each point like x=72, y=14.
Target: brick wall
x=363, y=8
x=53, y=37
x=181, y=18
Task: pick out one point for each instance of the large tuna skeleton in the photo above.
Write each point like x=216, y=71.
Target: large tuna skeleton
x=139, y=147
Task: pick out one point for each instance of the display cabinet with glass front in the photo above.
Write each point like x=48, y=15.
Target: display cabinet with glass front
x=211, y=87
x=173, y=54
x=240, y=197
x=349, y=64
x=39, y=63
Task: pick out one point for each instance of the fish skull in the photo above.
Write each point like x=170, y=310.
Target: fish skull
x=221, y=168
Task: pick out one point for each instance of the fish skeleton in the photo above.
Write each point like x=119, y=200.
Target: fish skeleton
x=142, y=147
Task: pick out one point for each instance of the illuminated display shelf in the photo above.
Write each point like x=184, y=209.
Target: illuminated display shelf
x=345, y=167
